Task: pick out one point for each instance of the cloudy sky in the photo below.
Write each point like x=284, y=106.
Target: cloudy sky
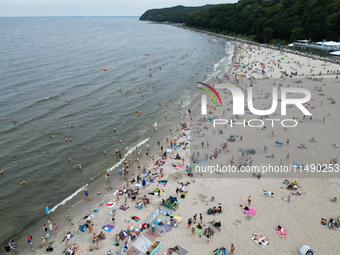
x=9, y=8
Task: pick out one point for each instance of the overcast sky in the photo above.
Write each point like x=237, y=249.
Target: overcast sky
x=10, y=8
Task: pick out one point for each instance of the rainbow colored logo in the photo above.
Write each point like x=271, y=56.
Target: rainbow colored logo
x=209, y=93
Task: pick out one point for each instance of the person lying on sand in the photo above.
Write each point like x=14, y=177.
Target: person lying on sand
x=245, y=207
x=258, y=237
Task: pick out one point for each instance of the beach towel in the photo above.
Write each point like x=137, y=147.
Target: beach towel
x=179, y=250
x=95, y=210
x=151, y=235
x=132, y=251
x=197, y=230
x=135, y=218
x=212, y=232
x=220, y=251
x=162, y=163
x=111, y=204
x=297, y=165
x=257, y=242
x=176, y=147
x=284, y=234
x=252, y=211
x=108, y=228
x=122, y=235
x=278, y=144
x=83, y=228
x=204, y=164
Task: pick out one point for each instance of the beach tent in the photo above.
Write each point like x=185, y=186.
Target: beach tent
x=306, y=250
x=142, y=244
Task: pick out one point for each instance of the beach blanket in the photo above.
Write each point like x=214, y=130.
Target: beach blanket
x=252, y=211
x=179, y=250
x=167, y=228
x=220, y=251
x=162, y=163
x=83, y=228
x=284, y=234
x=197, y=230
x=122, y=234
x=297, y=165
x=204, y=164
x=151, y=235
x=277, y=144
x=176, y=147
x=135, y=218
x=167, y=205
x=111, y=204
x=257, y=242
x=108, y=228
x=212, y=232
x=132, y=251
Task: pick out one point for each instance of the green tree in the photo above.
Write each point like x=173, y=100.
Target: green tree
x=268, y=34
x=296, y=34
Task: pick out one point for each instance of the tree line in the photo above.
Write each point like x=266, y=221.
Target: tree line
x=262, y=20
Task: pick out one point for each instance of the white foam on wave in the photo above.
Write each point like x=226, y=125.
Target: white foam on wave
x=217, y=64
x=128, y=153
x=67, y=199
x=109, y=170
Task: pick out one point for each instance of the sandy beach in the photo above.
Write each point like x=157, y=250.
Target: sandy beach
x=301, y=216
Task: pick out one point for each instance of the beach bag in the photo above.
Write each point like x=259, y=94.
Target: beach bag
x=182, y=196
